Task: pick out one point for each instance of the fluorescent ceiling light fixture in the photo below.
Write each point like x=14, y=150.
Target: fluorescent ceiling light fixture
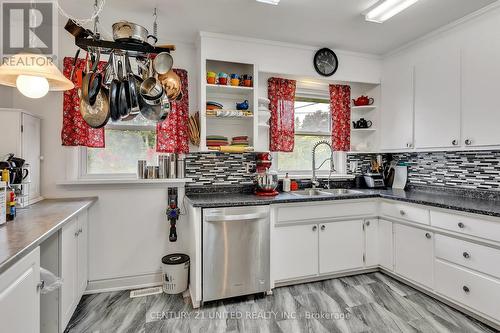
x=387, y=9
x=270, y=2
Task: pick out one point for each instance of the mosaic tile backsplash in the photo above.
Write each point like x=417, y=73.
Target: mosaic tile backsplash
x=219, y=169
x=467, y=169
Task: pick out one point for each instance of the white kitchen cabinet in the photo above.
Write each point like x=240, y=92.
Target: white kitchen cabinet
x=371, y=242
x=74, y=265
x=480, y=73
x=437, y=99
x=341, y=246
x=385, y=244
x=295, y=252
x=414, y=254
x=20, y=295
x=397, y=105
x=21, y=133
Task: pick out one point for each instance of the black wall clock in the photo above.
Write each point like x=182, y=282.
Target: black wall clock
x=326, y=62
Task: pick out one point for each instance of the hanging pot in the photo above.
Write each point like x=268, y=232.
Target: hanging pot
x=133, y=82
x=97, y=115
x=130, y=32
x=124, y=104
x=151, y=89
x=171, y=82
x=163, y=63
x=114, y=95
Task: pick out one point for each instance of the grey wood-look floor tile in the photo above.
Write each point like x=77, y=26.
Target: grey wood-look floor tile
x=398, y=287
x=346, y=295
x=358, y=279
x=379, y=319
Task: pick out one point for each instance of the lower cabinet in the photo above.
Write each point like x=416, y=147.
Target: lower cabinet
x=295, y=252
x=74, y=265
x=385, y=245
x=20, y=296
x=341, y=246
x=414, y=254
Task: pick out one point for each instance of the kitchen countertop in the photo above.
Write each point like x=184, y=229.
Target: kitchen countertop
x=441, y=199
x=35, y=224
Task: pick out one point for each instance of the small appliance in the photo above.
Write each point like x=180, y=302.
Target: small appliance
x=374, y=180
x=267, y=181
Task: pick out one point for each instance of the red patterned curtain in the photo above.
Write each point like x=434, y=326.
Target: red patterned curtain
x=281, y=93
x=172, y=133
x=340, y=106
x=75, y=131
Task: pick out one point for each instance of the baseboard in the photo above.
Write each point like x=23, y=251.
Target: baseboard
x=284, y=283
x=124, y=283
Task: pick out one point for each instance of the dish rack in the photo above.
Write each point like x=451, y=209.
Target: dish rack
x=22, y=192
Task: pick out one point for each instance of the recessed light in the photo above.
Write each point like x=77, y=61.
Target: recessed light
x=386, y=9
x=270, y=2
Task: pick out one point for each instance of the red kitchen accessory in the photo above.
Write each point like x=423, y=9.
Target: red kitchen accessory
x=363, y=101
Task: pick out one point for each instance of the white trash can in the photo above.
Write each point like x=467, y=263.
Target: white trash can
x=175, y=273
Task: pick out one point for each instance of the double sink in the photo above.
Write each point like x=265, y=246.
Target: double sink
x=314, y=192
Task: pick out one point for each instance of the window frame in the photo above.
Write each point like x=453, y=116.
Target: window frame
x=317, y=97
x=82, y=163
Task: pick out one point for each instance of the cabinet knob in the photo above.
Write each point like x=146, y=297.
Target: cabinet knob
x=315, y=228
x=402, y=212
x=466, y=289
x=40, y=285
x=428, y=235
x=461, y=225
x=323, y=227
x=454, y=142
x=468, y=142
x=466, y=255
x=367, y=223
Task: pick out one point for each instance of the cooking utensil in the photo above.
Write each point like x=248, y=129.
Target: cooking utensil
x=194, y=129
x=77, y=30
x=97, y=115
x=133, y=83
x=95, y=83
x=171, y=82
x=91, y=81
x=114, y=94
x=163, y=62
x=124, y=104
x=267, y=181
x=151, y=89
x=75, y=59
x=108, y=73
x=131, y=32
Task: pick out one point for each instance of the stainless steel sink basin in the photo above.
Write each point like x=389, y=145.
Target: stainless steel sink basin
x=342, y=191
x=310, y=193
x=325, y=192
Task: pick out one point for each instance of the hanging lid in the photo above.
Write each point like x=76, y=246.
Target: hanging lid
x=175, y=259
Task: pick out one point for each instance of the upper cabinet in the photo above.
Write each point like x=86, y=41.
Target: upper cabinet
x=397, y=105
x=437, y=99
x=480, y=81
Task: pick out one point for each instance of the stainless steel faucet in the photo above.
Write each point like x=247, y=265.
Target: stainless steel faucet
x=332, y=168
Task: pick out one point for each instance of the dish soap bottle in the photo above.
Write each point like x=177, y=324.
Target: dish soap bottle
x=286, y=183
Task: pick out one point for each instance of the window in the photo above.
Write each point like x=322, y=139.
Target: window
x=312, y=124
x=126, y=142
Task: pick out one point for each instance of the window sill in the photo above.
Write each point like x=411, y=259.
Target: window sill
x=177, y=182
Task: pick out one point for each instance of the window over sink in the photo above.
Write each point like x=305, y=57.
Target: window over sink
x=313, y=123
x=126, y=142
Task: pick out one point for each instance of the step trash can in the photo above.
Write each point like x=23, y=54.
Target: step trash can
x=175, y=273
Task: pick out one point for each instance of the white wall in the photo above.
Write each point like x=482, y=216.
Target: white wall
x=6, y=97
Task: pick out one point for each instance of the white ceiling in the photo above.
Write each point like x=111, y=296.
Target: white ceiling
x=333, y=23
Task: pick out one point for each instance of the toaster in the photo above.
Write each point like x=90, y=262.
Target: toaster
x=374, y=180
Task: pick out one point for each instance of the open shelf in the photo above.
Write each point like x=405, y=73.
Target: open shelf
x=364, y=107
x=363, y=129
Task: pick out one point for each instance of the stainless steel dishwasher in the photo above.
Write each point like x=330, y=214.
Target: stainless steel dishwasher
x=235, y=251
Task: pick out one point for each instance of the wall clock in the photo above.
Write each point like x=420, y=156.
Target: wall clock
x=326, y=62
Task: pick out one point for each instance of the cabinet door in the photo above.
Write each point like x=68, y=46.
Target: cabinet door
x=31, y=151
x=371, y=242
x=481, y=70
x=295, y=252
x=385, y=245
x=82, y=252
x=69, y=270
x=341, y=246
x=397, y=105
x=414, y=255
x=437, y=115
x=20, y=296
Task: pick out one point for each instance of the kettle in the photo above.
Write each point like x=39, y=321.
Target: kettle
x=362, y=123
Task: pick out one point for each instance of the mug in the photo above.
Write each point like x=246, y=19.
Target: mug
x=235, y=82
x=211, y=77
x=235, y=76
x=222, y=81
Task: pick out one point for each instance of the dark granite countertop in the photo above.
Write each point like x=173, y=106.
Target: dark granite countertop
x=441, y=199
x=35, y=224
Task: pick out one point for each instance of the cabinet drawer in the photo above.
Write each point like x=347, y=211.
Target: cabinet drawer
x=326, y=210
x=471, y=289
x=477, y=257
x=407, y=212
x=466, y=225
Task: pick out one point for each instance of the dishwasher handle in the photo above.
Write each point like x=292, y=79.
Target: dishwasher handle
x=241, y=217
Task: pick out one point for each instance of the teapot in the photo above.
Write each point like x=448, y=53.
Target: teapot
x=363, y=100
x=362, y=123
x=243, y=106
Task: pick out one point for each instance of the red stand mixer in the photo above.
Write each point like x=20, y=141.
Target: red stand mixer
x=267, y=181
